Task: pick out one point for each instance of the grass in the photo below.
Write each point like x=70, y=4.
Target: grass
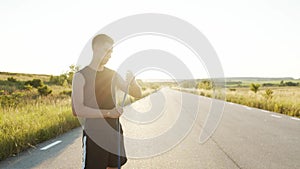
x=34, y=123
x=26, y=118
x=284, y=100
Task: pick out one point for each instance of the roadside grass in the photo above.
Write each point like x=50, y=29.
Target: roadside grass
x=284, y=100
x=28, y=125
x=27, y=118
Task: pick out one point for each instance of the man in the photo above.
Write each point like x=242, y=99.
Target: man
x=92, y=99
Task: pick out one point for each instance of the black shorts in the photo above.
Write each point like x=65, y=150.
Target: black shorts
x=95, y=157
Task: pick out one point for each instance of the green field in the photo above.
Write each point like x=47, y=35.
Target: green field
x=30, y=115
x=277, y=95
x=35, y=108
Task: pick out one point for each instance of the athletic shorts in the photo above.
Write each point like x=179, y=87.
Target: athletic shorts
x=95, y=157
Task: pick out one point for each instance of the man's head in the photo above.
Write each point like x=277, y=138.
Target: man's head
x=102, y=48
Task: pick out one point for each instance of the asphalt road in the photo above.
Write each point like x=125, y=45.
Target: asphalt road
x=246, y=138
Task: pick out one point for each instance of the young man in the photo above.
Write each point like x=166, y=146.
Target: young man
x=92, y=99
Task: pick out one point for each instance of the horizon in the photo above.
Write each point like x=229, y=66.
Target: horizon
x=168, y=79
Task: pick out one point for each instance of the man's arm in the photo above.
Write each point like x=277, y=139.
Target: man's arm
x=80, y=110
x=134, y=88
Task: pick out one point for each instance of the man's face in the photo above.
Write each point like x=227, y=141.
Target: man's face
x=107, y=56
x=103, y=53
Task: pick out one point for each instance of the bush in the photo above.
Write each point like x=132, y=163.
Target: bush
x=59, y=80
x=268, y=94
x=291, y=84
x=27, y=87
x=44, y=90
x=205, y=84
x=11, y=101
x=268, y=84
x=11, y=79
x=36, y=83
x=254, y=87
x=66, y=92
x=65, y=78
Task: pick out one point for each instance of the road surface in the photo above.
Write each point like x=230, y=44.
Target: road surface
x=246, y=138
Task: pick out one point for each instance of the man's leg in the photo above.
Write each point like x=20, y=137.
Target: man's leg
x=95, y=156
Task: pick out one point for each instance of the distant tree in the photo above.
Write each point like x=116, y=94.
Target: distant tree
x=281, y=83
x=291, y=84
x=254, y=87
x=268, y=84
x=70, y=74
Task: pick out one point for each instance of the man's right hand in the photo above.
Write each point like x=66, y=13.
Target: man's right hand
x=115, y=112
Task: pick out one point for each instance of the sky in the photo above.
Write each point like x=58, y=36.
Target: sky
x=252, y=38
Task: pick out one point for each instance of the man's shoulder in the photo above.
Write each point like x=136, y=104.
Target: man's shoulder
x=109, y=70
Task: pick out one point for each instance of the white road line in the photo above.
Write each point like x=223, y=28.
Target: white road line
x=231, y=103
x=249, y=108
x=51, y=145
x=276, y=116
x=295, y=118
x=266, y=111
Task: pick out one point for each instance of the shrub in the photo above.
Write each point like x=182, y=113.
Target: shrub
x=11, y=101
x=11, y=79
x=66, y=92
x=27, y=87
x=205, y=84
x=59, y=80
x=65, y=78
x=268, y=94
x=291, y=84
x=36, y=83
x=44, y=90
x=254, y=87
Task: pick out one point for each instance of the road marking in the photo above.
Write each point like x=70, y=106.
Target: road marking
x=276, y=116
x=51, y=145
x=249, y=108
x=295, y=118
x=266, y=111
x=231, y=103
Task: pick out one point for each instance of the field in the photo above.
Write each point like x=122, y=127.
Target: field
x=35, y=108
x=277, y=95
x=30, y=115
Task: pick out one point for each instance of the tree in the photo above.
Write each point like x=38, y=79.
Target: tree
x=70, y=74
x=254, y=87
